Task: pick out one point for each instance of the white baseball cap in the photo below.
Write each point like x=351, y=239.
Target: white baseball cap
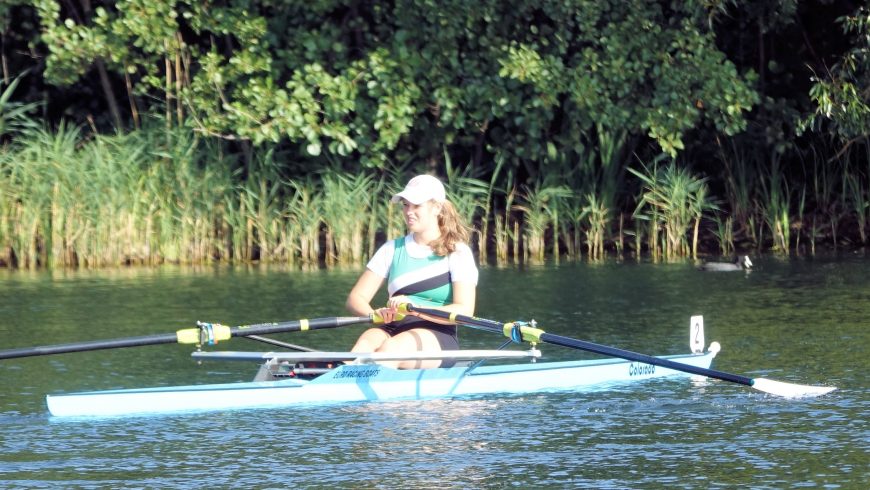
x=420, y=189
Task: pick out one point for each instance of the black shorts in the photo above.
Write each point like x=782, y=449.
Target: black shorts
x=446, y=334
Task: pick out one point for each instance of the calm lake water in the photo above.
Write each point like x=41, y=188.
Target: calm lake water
x=797, y=320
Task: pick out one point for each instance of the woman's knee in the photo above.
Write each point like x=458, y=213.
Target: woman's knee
x=371, y=340
x=417, y=339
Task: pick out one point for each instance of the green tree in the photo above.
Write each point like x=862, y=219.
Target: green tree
x=842, y=94
x=398, y=80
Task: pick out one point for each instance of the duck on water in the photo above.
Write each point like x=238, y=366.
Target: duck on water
x=742, y=263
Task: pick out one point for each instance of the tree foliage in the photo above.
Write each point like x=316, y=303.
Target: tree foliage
x=842, y=94
x=521, y=80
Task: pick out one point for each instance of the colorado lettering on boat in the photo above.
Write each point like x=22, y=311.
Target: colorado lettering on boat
x=637, y=369
x=354, y=372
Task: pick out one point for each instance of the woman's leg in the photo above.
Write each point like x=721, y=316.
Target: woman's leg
x=371, y=340
x=416, y=339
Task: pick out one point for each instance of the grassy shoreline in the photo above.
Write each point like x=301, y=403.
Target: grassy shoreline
x=155, y=197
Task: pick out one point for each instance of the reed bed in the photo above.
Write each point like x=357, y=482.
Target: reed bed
x=149, y=197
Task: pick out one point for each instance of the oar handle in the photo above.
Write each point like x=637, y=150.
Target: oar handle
x=302, y=325
x=468, y=321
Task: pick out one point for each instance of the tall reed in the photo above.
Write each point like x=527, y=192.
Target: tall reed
x=774, y=206
x=188, y=182
x=260, y=211
x=468, y=194
x=571, y=229
x=724, y=234
x=596, y=215
x=487, y=211
x=503, y=233
x=35, y=174
x=740, y=173
x=303, y=212
x=677, y=200
x=540, y=205
x=345, y=198
x=611, y=145
x=826, y=192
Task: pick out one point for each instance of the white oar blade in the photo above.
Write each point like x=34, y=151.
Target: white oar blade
x=789, y=390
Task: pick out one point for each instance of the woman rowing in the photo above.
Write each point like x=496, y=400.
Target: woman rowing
x=431, y=266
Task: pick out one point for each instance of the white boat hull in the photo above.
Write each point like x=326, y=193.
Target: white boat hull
x=368, y=382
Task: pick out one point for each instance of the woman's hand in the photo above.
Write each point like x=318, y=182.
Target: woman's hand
x=386, y=314
x=396, y=301
x=391, y=313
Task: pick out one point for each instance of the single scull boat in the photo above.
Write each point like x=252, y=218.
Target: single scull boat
x=362, y=379
x=298, y=378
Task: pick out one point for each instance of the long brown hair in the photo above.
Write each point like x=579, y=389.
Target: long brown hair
x=453, y=230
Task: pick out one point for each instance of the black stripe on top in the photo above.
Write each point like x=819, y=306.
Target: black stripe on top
x=424, y=285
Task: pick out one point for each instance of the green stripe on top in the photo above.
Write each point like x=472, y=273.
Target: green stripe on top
x=425, y=280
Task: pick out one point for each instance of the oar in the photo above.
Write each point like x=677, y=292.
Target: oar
x=519, y=331
x=204, y=333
